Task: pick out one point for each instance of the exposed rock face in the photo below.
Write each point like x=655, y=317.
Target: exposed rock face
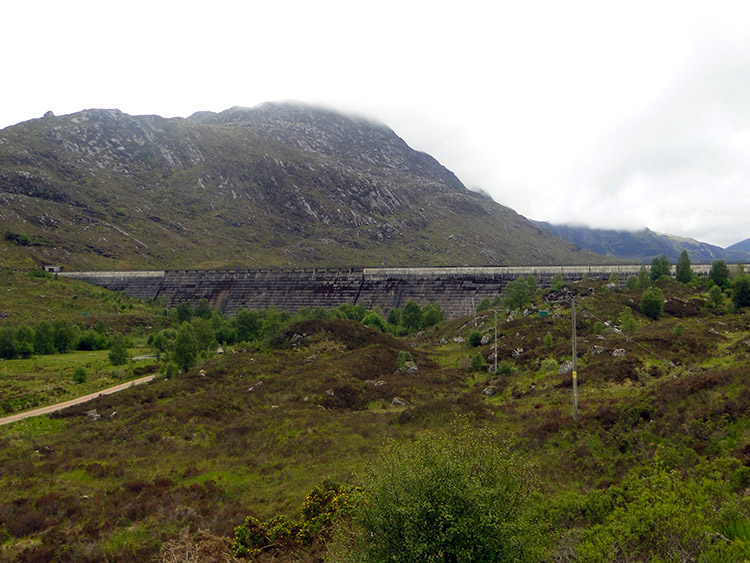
x=276, y=185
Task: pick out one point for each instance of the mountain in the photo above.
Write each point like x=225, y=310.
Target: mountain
x=644, y=245
x=270, y=186
x=742, y=246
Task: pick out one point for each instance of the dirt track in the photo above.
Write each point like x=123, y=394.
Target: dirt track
x=71, y=402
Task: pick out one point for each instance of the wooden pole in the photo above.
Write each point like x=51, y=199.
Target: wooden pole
x=575, y=360
x=495, y=341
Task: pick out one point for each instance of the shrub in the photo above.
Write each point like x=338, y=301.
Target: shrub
x=715, y=297
x=505, y=368
x=79, y=375
x=477, y=363
x=678, y=330
x=549, y=365
x=475, y=338
x=404, y=357
x=322, y=506
x=548, y=341
x=373, y=320
x=652, y=303
x=461, y=496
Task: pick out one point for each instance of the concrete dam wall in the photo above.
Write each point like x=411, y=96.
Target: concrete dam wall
x=457, y=290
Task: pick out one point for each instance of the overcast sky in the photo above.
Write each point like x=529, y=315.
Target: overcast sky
x=610, y=114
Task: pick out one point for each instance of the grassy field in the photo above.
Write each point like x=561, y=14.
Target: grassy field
x=30, y=296
x=184, y=460
x=45, y=380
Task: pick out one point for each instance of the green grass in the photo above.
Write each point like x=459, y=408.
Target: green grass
x=45, y=380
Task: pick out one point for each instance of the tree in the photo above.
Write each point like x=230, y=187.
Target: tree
x=204, y=333
x=652, y=303
x=741, y=291
x=644, y=278
x=518, y=293
x=24, y=341
x=63, y=335
x=7, y=343
x=118, y=351
x=373, y=320
x=459, y=496
x=719, y=273
x=248, y=325
x=394, y=317
x=715, y=297
x=185, y=347
x=683, y=272
x=184, y=313
x=44, y=342
x=627, y=321
x=202, y=309
x=411, y=317
x=432, y=315
x=660, y=266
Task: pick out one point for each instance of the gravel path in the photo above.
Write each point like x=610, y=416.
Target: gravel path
x=71, y=402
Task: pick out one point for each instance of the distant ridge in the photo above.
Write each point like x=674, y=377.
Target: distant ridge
x=644, y=245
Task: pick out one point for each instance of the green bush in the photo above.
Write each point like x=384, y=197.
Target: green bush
x=548, y=340
x=549, y=365
x=652, y=303
x=373, y=320
x=80, y=375
x=404, y=357
x=477, y=363
x=462, y=496
x=658, y=515
x=475, y=338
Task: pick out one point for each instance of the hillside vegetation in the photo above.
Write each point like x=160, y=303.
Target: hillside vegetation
x=303, y=429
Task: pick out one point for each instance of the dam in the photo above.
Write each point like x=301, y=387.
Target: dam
x=457, y=290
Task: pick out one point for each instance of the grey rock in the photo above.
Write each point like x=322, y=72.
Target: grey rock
x=410, y=367
x=398, y=402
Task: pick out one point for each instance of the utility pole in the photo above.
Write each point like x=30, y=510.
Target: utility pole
x=575, y=360
x=495, y=341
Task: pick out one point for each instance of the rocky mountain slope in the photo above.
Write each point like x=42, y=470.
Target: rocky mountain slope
x=644, y=245
x=276, y=185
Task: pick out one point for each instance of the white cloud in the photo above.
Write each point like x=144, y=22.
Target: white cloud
x=630, y=114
